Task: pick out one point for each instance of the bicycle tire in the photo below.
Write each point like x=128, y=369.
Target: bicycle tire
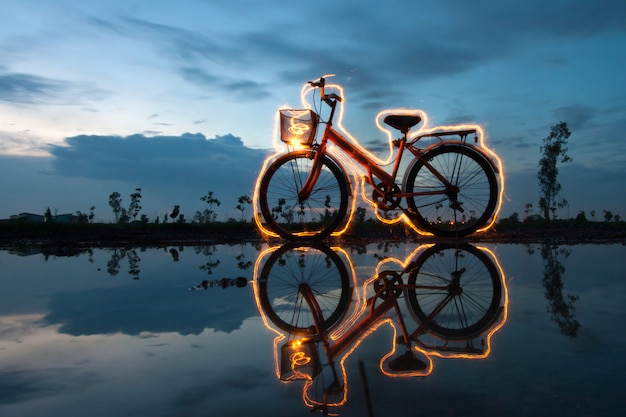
x=476, y=305
x=314, y=264
x=314, y=218
x=465, y=168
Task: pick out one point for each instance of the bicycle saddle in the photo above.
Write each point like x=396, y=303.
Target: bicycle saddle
x=402, y=122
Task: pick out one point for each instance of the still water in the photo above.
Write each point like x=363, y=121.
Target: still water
x=491, y=330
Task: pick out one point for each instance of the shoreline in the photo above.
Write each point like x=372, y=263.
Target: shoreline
x=111, y=236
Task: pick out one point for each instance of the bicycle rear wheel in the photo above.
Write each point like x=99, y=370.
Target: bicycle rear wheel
x=296, y=219
x=455, y=213
x=321, y=269
x=455, y=291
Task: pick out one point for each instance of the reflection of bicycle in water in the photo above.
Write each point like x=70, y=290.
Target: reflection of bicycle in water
x=450, y=186
x=455, y=294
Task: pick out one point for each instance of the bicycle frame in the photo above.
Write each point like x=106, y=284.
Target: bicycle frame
x=448, y=187
x=373, y=169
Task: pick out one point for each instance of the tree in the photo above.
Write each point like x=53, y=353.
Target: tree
x=175, y=212
x=360, y=214
x=135, y=200
x=209, y=214
x=115, y=201
x=244, y=199
x=554, y=150
x=528, y=210
x=561, y=306
x=121, y=214
x=514, y=218
x=47, y=217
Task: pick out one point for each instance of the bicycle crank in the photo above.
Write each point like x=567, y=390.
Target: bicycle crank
x=386, y=199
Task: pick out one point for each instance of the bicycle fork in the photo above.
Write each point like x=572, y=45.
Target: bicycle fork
x=311, y=180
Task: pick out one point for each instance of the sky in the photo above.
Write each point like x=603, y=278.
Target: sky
x=179, y=98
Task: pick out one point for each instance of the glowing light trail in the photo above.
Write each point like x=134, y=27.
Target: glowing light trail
x=355, y=173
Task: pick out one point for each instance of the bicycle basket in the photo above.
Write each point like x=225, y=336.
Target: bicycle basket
x=299, y=359
x=298, y=127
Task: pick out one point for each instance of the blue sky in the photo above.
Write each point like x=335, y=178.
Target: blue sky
x=178, y=98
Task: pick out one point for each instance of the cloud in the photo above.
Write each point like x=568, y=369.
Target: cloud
x=370, y=47
x=169, y=169
x=189, y=160
x=22, y=88
x=24, y=385
x=135, y=310
x=199, y=57
x=25, y=88
x=577, y=116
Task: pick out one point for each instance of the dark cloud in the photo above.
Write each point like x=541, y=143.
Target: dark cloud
x=370, y=46
x=576, y=116
x=196, y=53
x=169, y=169
x=25, y=88
x=189, y=159
x=242, y=90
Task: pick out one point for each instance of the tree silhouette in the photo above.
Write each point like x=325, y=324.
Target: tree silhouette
x=554, y=150
x=135, y=207
x=209, y=214
x=47, y=217
x=561, y=307
x=175, y=212
x=121, y=214
x=243, y=200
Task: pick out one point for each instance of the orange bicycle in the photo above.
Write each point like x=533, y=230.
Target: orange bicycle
x=450, y=187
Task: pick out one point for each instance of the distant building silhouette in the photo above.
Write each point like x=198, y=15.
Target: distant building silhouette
x=39, y=218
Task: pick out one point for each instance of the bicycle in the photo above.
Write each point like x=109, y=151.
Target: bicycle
x=456, y=293
x=450, y=186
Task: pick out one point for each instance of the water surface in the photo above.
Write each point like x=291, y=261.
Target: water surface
x=157, y=332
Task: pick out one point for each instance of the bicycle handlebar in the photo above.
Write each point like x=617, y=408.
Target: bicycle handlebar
x=329, y=99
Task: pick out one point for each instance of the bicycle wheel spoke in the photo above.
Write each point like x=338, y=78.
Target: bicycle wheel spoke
x=472, y=295
x=292, y=217
x=460, y=210
x=321, y=270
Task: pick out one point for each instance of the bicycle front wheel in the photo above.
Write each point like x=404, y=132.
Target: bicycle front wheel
x=294, y=218
x=457, y=212
x=455, y=291
x=315, y=265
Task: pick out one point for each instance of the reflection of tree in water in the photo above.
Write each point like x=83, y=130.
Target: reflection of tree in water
x=208, y=251
x=223, y=283
x=561, y=306
x=113, y=265
x=130, y=255
x=242, y=263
